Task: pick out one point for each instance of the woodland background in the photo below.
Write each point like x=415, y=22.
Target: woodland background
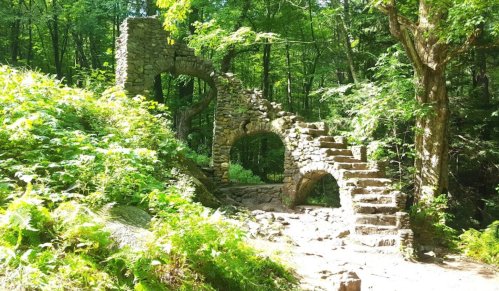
x=334, y=61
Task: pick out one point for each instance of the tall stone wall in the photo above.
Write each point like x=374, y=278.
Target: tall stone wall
x=145, y=50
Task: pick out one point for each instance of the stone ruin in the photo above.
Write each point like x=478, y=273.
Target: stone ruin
x=144, y=50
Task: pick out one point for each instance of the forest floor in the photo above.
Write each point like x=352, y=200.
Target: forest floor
x=314, y=242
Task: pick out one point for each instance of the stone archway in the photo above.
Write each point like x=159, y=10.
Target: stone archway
x=145, y=50
x=307, y=184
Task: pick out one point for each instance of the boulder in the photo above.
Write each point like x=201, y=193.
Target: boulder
x=347, y=281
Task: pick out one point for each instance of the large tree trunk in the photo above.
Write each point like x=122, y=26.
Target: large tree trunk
x=432, y=136
x=429, y=57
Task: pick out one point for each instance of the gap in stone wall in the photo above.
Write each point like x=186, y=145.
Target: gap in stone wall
x=325, y=192
x=262, y=153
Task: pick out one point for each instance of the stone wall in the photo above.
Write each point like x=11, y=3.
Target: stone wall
x=145, y=50
x=255, y=194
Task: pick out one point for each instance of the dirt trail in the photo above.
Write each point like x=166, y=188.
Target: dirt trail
x=315, y=243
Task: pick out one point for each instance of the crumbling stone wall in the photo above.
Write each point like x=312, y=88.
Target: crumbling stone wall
x=145, y=50
x=255, y=194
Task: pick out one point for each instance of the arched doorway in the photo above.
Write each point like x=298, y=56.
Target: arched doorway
x=262, y=154
x=318, y=188
x=325, y=192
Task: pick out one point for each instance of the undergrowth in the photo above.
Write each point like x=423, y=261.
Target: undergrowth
x=429, y=222
x=482, y=245
x=238, y=174
x=65, y=154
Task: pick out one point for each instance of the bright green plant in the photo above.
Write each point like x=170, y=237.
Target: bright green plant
x=66, y=155
x=482, y=245
x=239, y=174
x=428, y=220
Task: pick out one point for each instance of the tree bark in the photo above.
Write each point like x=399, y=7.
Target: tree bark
x=184, y=117
x=266, y=70
x=288, y=88
x=429, y=57
x=432, y=136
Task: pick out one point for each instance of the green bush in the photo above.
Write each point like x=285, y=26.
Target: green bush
x=428, y=220
x=67, y=154
x=482, y=245
x=238, y=174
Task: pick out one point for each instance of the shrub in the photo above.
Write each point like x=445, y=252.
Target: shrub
x=482, y=245
x=66, y=154
x=428, y=220
x=239, y=174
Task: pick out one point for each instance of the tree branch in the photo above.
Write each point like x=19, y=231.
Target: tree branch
x=400, y=19
x=470, y=40
x=400, y=28
x=197, y=108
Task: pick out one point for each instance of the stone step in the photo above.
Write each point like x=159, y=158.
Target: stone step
x=370, y=208
x=337, y=152
x=341, y=159
x=347, y=174
x=374, y=198
x=377, y=240
x=352, y=166
x=370, y=182
x=370, y=190
x=326, y=138
x=369, y=229
x=306, y=125
x=331, y=145
x=313, y=132
x=376, y=219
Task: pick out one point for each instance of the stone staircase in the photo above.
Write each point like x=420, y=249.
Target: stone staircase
x=377, y=217
x=377, y=209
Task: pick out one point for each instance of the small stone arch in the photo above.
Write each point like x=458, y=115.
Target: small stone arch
x=307, y=179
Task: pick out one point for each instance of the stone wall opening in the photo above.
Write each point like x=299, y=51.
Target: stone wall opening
x=325, y=192
x=261, y=153
x=318, y=188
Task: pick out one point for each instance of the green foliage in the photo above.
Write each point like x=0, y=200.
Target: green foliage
x=263, y=154
x=199, y=159
x=428, y=221
x=325, y=192
x=66, y=155
x=482, y=245
x=380, y=114
x=238, y=174
x=96, y=80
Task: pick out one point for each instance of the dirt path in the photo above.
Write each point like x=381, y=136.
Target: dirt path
x=315, y=243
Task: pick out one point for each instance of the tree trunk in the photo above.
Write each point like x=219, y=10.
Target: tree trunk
x=429, y=57
x=288, y=88
x=54, y=33
x=15, y=34
x=348, y=49
x=158, y=90
x=432, y=136
x=266, y=70
x=184, y=117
